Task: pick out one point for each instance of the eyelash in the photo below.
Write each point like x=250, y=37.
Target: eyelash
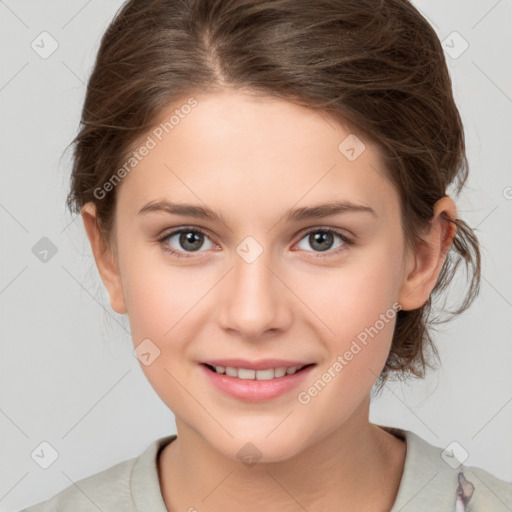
x=180, y=254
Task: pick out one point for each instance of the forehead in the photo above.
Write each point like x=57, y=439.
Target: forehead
x=258, y=153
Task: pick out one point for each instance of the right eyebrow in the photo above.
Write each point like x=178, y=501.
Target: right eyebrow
x=188, y=210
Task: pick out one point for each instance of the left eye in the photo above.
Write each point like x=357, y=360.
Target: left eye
x=323, y=240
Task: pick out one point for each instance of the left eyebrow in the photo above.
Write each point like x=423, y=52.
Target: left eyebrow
x=299, y=214
x=324, y=210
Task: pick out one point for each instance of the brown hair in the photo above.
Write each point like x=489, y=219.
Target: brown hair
x=374, y=65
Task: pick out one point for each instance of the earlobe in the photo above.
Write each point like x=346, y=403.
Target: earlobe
x=424, y=264
x=104, y=258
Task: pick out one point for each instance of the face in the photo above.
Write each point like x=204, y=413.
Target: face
x=260, y=283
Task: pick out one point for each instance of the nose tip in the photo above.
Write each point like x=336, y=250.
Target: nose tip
x=252, y=303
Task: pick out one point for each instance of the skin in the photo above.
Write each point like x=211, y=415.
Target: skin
x=250, y=159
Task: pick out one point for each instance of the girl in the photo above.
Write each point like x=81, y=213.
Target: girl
x=263, y=184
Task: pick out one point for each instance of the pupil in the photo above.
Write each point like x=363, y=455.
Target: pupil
x=191, y=238
x=323, y=239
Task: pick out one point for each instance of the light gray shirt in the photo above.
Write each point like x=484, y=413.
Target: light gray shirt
x=429, y=483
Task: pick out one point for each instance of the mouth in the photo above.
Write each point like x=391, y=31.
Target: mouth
x=256, y=381
x=277, y=372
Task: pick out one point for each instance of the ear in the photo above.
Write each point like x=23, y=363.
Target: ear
x=424, y=265
x=105, y=259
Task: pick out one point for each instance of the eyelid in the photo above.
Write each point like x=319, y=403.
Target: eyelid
x=337, y=231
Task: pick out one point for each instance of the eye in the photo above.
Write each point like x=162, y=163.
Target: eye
x=189, y=240
x=186, y=240
x=323, y=240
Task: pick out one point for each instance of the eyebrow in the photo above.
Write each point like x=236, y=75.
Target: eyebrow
x=299, y=214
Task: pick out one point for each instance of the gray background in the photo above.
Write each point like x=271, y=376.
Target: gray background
x=68, y=375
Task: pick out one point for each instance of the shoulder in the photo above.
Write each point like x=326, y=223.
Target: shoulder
x=119, y=487
x=106, y=490
x=434, y=479
x=490, y=493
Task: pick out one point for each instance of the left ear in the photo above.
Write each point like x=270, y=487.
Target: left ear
x=424, y=265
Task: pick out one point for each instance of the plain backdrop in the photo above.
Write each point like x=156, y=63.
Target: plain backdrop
x=67, y=370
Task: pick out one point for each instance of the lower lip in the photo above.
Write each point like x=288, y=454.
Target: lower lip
x=255, y=390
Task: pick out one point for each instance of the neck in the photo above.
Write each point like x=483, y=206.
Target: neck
x=358, y=466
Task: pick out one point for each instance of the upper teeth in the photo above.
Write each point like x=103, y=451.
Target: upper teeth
x=247, y=374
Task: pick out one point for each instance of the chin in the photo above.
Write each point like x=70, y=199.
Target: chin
x=254, y=445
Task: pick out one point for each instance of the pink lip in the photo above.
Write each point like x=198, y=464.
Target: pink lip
x=262, y=364
x=255, y=390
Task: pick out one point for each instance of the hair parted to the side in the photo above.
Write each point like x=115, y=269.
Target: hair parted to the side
x=376, y=66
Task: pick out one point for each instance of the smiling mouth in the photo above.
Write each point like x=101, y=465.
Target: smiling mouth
x=249, y=374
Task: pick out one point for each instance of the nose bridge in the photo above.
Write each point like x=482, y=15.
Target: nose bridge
x=253, y=302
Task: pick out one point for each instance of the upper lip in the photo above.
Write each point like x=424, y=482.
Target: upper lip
x=262, y=364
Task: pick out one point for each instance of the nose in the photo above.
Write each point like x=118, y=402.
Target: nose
x=254, y=301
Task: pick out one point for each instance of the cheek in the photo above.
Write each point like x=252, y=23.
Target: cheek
x=355, y=295
x=362, y=319
x=356, y=302
x=160, y=297
x=164, y=303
